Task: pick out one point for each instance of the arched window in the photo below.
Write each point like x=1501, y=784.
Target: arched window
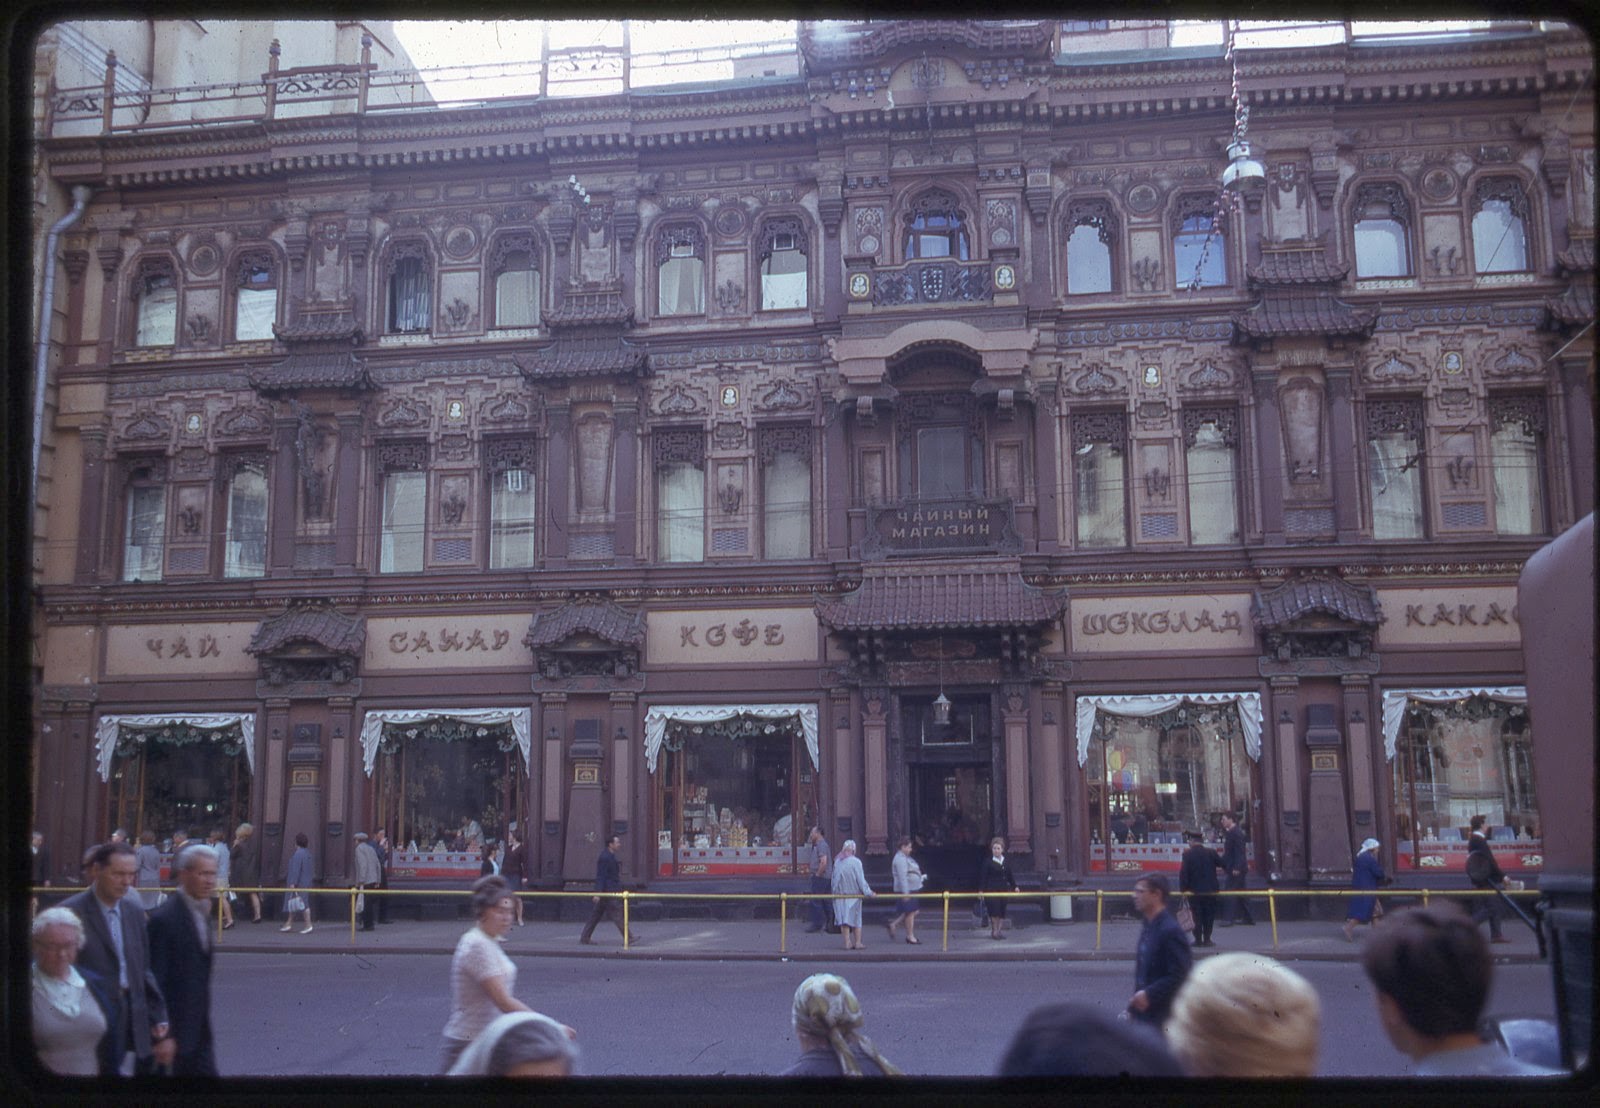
x=516, y=282
x=681, y=270
x=410, y=289
x=1516, y=448
x=1091, y=230
x=402, y=510
x=1211, y=464
x=1382, y=231
x=783, y=265
x=145, y=523
x=936, y=227
x=1199, y=246
x=786, y=492
x=1100, y=477
x=680, y=465
x=511, y=504
x=255, y=298
x=245, y=553
x=156, y=296
x=1395, y=467
x=1499, y=226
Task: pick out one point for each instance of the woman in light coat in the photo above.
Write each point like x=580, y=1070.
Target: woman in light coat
x=907, y=880
x=849, y=884
x=1368, y=875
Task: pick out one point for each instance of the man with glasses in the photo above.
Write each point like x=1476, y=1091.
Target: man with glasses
x=1164, y=958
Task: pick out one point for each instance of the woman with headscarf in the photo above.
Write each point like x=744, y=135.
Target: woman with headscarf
x=519, y=1044
x=69, y=1005
x=827, y=1021
x=1368, y=875
x=849, y=886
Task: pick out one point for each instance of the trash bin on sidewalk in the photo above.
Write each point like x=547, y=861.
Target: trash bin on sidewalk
x=1060, y=907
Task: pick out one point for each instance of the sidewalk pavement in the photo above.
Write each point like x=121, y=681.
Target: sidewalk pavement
x=758, y=940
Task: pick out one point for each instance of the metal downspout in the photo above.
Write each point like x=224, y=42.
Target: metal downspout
x=41, y=361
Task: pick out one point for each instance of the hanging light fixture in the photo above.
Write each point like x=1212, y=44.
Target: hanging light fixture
x=941, y=703
x=1244, y=173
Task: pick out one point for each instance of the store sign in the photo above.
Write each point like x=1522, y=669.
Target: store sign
x=924, y=526
x=453, y=642
x=739, y=636
x=1454, y=617
x=179, y=649
x=1163, y=624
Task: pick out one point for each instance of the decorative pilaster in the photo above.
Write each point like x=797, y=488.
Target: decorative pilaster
x=1014, y=720
x=874, y=742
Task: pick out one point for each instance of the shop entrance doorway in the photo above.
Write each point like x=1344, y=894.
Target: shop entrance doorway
x=952, y=814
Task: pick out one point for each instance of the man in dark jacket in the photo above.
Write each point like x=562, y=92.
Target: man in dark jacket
x=607, y=879
x=1198, y=879
x=1236, y=865
x=1485, y=873
x=380, y=846
x=181, y=940
x=1164, y=958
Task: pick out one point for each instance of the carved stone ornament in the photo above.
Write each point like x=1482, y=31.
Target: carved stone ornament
x=679, y=401
x=1395, y=416
x=1225, y=420
x=199, y=329
x=507, y=409
x=1300, y=404
x=772, y=441
x=1526, y=411
x=1316, y=625
x=678, y=445
x=1393, y=369
x=1513, y=363
x=1208, y=376
x=244, y=423
x=1099, y=427
x=1096, y=378
x=204, y=259
x=782, y=396
x=145, y=426
x=680, y=235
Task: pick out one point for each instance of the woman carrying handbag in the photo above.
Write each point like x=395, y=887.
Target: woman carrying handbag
x=996, y=877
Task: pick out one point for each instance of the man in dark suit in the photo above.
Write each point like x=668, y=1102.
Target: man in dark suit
x=116, y=947
x=380, y=844
x=1484, y=872
x=1164, y=958
x=181, y=940
x=1198, y=878
x=607, y=879
x=1236, y=866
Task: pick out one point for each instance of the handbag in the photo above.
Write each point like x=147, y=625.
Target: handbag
x=295, y=903
x=980, y=913
x=1186, y=916
x=361, y=902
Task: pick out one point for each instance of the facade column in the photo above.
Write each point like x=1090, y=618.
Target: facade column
x=347, y=493
x=1014, y=720
x=627, y=498
x=558, y=484
x=275, y=770
x=1281, y=789
x=285, y=516
x=1269, y=457
x=1047, y=470
x=549, y=749
x=1342, y=444
x=586, y=824
x=92, y=508
x=343, y=817
x=1578, y=404
x=836, y=499
x=1080, y=836
x=1327, y=816
x=1045, y=760
x=875, y=775
x=1358, y=733
x=303, y=806
x=623, y=800
x=830, y=753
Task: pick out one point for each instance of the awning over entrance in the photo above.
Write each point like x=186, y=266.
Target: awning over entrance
x=520, y=720
x=898, y=598
x=108, y=727
x=1396, y=700
x=657, y=718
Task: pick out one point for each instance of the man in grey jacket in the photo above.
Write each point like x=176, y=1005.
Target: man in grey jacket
x=369, y=875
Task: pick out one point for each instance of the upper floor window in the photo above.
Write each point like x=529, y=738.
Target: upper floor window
x=783, y=265
x=1516, y=449
x=516, y=282
x=1100, y=477
x=410, y=288
x=1382, y=231
x=1394, y=467
x=1199, y=245
x=786, y=492
x=681, y=270
x=511, y=504
x=936, y=227
x=402, y=510
x=941, y=453
x=156, y=294
x=255, y=298
x=1091, y=229
x=145, y=522
x=1211, y=462
x=680, y=466
x=245, y=549
x=1499, y=226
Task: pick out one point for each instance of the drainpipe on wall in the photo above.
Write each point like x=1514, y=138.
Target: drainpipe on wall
x=41, y=362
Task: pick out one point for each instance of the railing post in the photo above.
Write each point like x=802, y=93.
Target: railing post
x=626, y=926
x=273, y=53
x=1424, y=898
x=1099, y=914
x=1272, y=911
x=783, y=923
x=353, y=895
x=366, y=69
x=945, y=944
x=108, y=92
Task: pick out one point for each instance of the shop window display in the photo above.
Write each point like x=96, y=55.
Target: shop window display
x=176, y=775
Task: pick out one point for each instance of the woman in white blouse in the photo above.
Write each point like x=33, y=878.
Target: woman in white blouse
x=68, y=1018
x=481, y=976
x=907, y=880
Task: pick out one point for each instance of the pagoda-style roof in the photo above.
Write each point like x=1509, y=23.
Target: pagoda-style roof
x=316, y=321
x=1578, y=259
x=600, y=619
x=1294, y=600
x=1573, y=307
x=1292, y=310
x=1295, y=265
x=332, y=630
x=590, y=305
x=900, y=598
x=584, y=356
x=311, y=371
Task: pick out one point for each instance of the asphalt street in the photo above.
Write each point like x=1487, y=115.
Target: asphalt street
x=296, y=1014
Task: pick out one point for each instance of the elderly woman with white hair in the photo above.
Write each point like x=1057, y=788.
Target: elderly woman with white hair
x=520, y=1044
x=849, y=886
x=1245, y=1015
x=827, y=1021
x=1368, y=875
x=70, y=1005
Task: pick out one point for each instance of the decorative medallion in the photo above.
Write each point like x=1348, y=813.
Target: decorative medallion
x=932, y=282
x=460, y=242
x=860, y=286
x=1452, y=362
x=1439, y=184
x=1005, y=276
x=1151, y=377
x=729, y=396
x=729, y=220
x=1143, y=198
x=204, y=260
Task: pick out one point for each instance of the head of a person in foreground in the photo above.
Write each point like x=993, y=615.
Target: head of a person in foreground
x=1075, y=1040
x=1245, y=1015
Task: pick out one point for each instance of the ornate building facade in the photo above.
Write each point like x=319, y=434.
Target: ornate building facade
x=914, y=445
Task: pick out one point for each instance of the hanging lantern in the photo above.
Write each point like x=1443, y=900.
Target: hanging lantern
x=941, y=709
x=1244, y=173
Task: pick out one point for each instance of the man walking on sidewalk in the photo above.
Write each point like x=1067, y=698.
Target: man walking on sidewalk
x=1164, y=959
x=1484, y=872
x=380, y=846
x=1237, y=868
x=607, y=879
x=821, y=880
x=369, y=874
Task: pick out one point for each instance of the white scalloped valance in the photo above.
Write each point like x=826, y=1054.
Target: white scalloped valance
x=1395, y=701
x=521, y=720
x=656, y=720
x=105, y=732
x=1249, y=704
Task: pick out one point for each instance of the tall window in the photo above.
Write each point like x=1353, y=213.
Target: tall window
x=1199, y=245
x=1100, y=479
x=941, y=454
x=516, y=283
x=783, y=265
x=156, y=293
x=936, y=227
x=245, y=552
x=1211, y=458
x=1499, y=226
x=410, y=289
x=403, y=508
x=511, y=505
x=179, y=774
x=145, y=525
x=681, y=271
x=1090, y=231
x=680, y=461
x=1516, y=449
x=1382, y=233
x=255, y=299
x=786, y=492
x=1395, y=467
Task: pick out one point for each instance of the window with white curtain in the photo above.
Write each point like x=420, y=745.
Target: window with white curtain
x=157, y=312
x=245, y=549
x=403, y=521
x=1100, y=478
x=783, y=265
x=145, y=527
x=1395, y=467
x=680, y=271
x=680, y=494
x=255, y=304
x=1499, y=226
x=410, y=290
x=786, y=492
x=516, y=285
x=1381, y=231
x=1211, y=464
x=511, y=506
x=1516, y=450
x=1199, y=246
x=1089, y=237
